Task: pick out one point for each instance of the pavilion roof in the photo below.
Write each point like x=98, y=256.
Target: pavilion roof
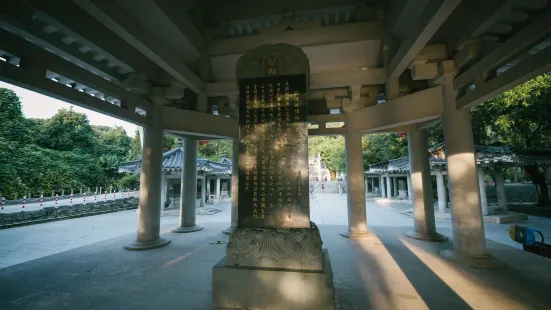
x=172, y=162
x=485, y=156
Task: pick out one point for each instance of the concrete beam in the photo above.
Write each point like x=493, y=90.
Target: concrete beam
x=370, y=76
x=353, y=32
x=235, y=10
x=37, y=81
x=170, y=24
x=112, y=16
x=199, y=124
x=522, y=72
x=69, y=19
x=339, y=79
x=26, y=50
x=322, y=121
x=516, y=45
x=406, y=110
x=435, y=14
x=24, y=27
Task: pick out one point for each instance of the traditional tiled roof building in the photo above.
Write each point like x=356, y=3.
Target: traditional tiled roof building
x=216, y=174
x=392, y=178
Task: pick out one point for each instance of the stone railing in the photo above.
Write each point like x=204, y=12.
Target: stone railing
x=49, y=214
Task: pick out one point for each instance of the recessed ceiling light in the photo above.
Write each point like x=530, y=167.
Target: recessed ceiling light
x=363, y=69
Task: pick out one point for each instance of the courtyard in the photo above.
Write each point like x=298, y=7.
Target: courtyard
x=81, y=264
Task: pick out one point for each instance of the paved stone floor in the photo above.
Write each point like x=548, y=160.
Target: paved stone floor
x=80, y=264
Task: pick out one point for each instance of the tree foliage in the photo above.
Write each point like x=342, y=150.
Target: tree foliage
x=215, y=149
x=61, y=153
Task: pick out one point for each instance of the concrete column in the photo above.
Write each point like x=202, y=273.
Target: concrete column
x=366, y=186
x=441, y=191
x=149, y=206
x=217, y=193
x=355, y=195
x=500, y=189
x=483, y=195
x=163, y=190
x=234, y=186
x=395, y=186
x=424, y=227
x=469, y=243
x=203, y=190
x=410, y=191
x=188, y=189
x=382, y=187
x=388, y=188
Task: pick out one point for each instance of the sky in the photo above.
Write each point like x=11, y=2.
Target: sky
x=36, y=105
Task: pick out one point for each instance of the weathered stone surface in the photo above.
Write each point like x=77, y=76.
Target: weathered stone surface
x=246, y=288
x=295, y=248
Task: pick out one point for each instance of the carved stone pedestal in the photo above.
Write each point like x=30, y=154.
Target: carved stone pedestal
x=274, y=269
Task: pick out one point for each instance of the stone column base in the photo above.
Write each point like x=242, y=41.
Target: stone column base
x=483, y=261
x=183, y=229
x=435, y=237
x=358, y=235
x=228, y=231
x=142, y=246
x=272, y=288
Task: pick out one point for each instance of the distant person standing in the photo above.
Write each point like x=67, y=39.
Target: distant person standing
x=322, y=188
x=206, y=196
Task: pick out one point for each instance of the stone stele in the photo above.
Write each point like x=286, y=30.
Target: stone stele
x=274, y=267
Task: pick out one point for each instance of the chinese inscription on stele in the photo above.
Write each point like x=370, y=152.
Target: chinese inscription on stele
x=273, y=153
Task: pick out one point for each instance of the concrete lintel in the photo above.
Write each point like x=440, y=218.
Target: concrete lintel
x=352, y=32
x=112, y=16
x=25, y=49
x=375, y=76
x=531, y=67
x=422, y=31
x=40, y=84
x=197, y=123
x=418, y=107
x=522, y=41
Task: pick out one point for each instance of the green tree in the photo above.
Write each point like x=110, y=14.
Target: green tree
x=67, y=130
x=13, y=125
x=521, y=118
x=215, y=149
x=136, y=150
x=170, y=143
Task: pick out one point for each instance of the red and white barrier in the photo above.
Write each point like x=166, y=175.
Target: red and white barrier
x=84, y=199
x=105, y=198
x=95, y=197
x=71, y=200
x=128, y=192
x=24, y=201
x=41, y=200
x=56, y=199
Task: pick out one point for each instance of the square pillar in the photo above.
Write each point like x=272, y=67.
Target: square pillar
x=395, y=186
x=382, y=187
